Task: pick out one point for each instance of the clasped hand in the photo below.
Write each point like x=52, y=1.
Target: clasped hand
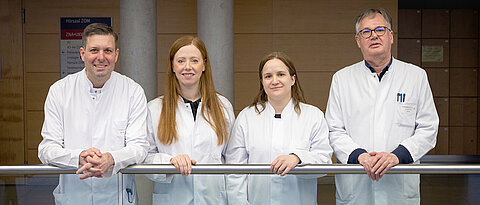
x=93, y=163
x=376, y=164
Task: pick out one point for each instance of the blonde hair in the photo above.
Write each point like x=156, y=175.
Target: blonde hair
x=297, y=92
x=212, y=108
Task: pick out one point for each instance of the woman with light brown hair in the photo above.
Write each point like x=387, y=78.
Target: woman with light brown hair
x=189, y=124
x=278, y=128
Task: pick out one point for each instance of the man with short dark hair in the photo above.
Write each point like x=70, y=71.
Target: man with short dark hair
x=95, y=120
x=380, y=113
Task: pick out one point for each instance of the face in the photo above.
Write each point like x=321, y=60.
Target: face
x=374, y=45
x=276, y=80
x=188, y=65
x=99, y=56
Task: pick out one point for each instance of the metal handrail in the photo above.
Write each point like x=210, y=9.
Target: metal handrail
x=253, y=169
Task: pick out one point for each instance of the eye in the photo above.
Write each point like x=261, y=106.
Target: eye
x=365, y=32
x=108, y=51
x=381, y=29
x=195, y=60
x=93, y=50
x=281, y=74
x=180, y=61
x=267, y=76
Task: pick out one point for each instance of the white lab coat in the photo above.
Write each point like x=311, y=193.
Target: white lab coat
x=113, y=121
x=261, y=138
x=363, y=112
x=195, y=138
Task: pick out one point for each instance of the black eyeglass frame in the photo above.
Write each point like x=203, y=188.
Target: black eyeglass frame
x=374, y=30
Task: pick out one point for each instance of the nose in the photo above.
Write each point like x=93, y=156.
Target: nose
x=275, y=80
x=188, y=65
x=101, y=56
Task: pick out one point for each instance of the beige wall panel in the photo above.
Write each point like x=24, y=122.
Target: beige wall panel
x=32, y=157
x=42, y=53
x=441, y=148
x=464, y=53
x=435, y=23
x=446, y=52
x=164, y=41
x=11, y=85
x=410, y=50
x=463, y=112
x=249, y=50
x=442, y=109
x=409, y=23
x=463, y=141
x=312, y=16
x=463, y=23
x=463, y=82
x=34, y=128
x=316, y=86
x=246, y=88
x=161, y=83
x=178, y=16
x=439, y=81
x=253, y=16
x=319, y=52
x=37, y=85
x=43, y=16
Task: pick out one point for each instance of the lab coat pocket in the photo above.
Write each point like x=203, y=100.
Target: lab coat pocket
x=119, y=131
x=405, y=114
x=60, y=198
x=344, y=185
x=161, y=199
x=411, y=186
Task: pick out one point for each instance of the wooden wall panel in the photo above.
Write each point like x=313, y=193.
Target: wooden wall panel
x=37, y=85
x=34, y=124
x=444, y=43
x=319, y=52
x=178, y=16
x=441, y=148
x=463, y=112
x=409, y=23
x=258, y=11
x=246, y=88
x=42, y=53
x=311, y=16
x=410, y=50
x=11, y=84
x=249, y=50
x=464, y=52
x=442, y=105
x=316, y=86
x=43, y=16
x=32, y=157
x=463, y=141
x=161, y=83
x=463, y=23
x=439, y=81
x=435, y=23
x=463, y=82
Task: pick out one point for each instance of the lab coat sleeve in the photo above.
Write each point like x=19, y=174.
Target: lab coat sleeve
x=52, y=150
x=236, y=153
x=154, y=156
x=340, y=141
x=135, y=149
x=426, y=123
x=229, y=122
x=319, y=151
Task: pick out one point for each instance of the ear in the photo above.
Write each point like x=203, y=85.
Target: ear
x=294, y=78
x=117, y=52
x=357, y=38
x=82, y=53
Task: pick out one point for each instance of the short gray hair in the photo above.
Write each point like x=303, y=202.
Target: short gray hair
x=98, y=29
x=371, y=13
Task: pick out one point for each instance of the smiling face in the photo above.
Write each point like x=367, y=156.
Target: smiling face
x=277, y=81
x=99, y=56
x=374, y=46
x=188, y=65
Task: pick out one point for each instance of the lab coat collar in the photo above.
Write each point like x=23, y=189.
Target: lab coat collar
x=89, y=85
x=270, y=111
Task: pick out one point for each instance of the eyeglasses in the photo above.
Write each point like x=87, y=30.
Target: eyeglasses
x=380, y=31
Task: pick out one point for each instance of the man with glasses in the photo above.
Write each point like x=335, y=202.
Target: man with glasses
x=380, y=113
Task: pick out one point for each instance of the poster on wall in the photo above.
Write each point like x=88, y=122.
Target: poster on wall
x=71, y=29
